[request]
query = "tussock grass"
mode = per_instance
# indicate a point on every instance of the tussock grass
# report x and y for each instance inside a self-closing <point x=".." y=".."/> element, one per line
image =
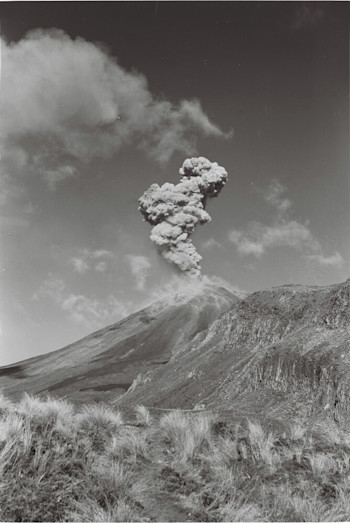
<point x="249" y="474"/>
<point x="5" y="404"/>
<point x="186" y="435"/>
<point x="261" y="444"/>
<point x="98" y="424"/>
<point x="54" y="466"/>
<point x="62" y="463"/>
<point x="33" y="406"/>
<point x="90" y="510"/>
<point x="296" y="431"/>
<point x="244" y="512"/>
<point x="143" y="416"/>
<point x="129" y="445"/>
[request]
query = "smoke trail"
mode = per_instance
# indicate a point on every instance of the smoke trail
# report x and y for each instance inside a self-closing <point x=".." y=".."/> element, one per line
<point x="175" y="210"/>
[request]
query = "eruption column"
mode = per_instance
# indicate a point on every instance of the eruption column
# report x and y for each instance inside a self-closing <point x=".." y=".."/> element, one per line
<point x="175" y="210"/>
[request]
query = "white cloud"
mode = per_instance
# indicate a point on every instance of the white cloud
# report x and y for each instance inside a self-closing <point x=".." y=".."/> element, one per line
<point x="175" y="128"/>
<point x="211" y="243"/>
<point x="88" y="259"/>
<point x="273" y="195"/>
<point x="257" y="237"/>
<point x="139" y="266"/>
<point x="65" y="101"/>
<point x="102" y="253"/>
<point x="28" y="208"/>
<point x="53" y="177"/>
<point x="15" y="212"/>
<point x="179" y="288"/>
<point x="96" y="313"/>
<point x="81" y="309"/>
<point x="101" y="266"/>
<point x="80" y="265"/>
<point x="336" y="261"/>
<point x="9" y="192"/>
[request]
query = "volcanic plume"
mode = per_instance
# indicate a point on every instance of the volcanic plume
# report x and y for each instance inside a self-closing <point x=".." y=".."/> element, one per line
<point x="175" y="210"/>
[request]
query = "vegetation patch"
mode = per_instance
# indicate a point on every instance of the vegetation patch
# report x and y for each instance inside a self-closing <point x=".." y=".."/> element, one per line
<point x="59" y="462"/>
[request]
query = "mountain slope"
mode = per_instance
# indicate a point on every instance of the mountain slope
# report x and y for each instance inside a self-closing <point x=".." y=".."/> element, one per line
<point x="282" y="352"/>
<point x="105" y="363"/>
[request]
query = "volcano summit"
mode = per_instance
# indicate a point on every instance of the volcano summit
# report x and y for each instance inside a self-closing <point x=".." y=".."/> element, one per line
<point x="104" y="364"/>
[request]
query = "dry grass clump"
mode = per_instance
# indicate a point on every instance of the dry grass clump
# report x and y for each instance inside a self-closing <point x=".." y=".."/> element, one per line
<point x="50" y="474"/>
<point x="34" y="406"/>
<point x="98" y="423"/>
<point x="186" y="435"/>
<point x="143" y="416"/>
<point x="60" y="463"/>
<point x="5" y="404"/>
<point x="90" y="510"/>
<point x="249" y="474"/>
<point x="56" y="412"/>
<point x="131" y="445"/>
<point x="119" y="492"/>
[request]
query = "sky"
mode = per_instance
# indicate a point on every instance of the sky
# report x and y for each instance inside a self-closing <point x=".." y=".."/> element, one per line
<point x="99" y="100"/>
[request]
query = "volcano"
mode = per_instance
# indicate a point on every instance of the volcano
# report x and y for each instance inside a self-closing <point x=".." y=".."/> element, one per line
<point x="104" y="364"/>
<point x="282" y="353"/>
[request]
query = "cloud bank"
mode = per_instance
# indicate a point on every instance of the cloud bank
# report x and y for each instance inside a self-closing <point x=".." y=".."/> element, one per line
<point x="336" y="260"/>
<point x="65" y="101"/>
<point x="257" y="238"/>
<point x="88" y="259"/>
<point x="90" y="312"/>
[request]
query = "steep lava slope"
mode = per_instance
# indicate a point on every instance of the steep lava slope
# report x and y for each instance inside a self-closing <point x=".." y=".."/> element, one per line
<point x="105" y="363"/>
<point x="283" y="352"/>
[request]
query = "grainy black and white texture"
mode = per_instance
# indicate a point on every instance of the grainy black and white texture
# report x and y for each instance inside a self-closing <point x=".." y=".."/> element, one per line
<point x="100" y="100"/>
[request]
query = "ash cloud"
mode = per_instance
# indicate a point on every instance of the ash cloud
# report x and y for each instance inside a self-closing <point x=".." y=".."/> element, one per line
<point x="176" y="210"/>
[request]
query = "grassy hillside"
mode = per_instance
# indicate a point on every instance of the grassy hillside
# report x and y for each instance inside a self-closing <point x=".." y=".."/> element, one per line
<point x="59" y="462"/>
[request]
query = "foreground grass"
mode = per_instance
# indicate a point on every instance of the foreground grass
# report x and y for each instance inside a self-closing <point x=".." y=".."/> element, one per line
<point x="61" y="463"/>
